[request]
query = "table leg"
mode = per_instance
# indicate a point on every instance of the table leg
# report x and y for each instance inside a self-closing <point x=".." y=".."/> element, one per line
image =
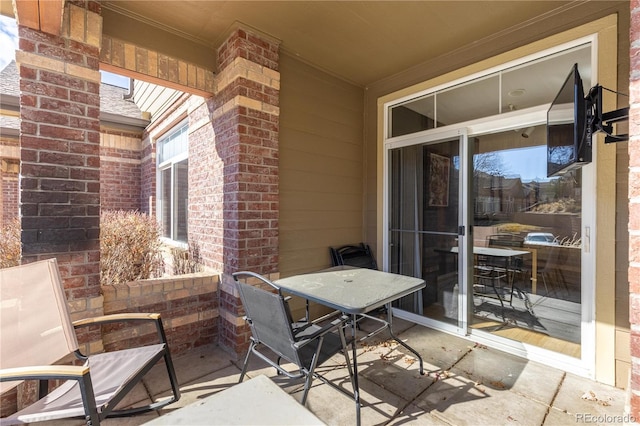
<point x="393" y="336"/>
<point x="356" y="389"/>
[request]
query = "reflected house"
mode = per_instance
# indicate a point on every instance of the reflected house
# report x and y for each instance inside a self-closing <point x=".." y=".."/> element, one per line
<point x="499" y="197"/>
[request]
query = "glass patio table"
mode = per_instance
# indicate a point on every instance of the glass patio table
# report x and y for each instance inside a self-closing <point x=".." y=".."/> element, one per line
<point x="355" y="292"/>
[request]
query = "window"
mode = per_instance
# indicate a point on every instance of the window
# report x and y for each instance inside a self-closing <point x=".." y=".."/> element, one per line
<point x="518" y="87"/>
<point x="173" y="183"/>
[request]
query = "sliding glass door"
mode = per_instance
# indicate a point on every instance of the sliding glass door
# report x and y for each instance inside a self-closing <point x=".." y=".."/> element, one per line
<point x="425" y="224"/>
<point x="498" y="243"/>
<point x="505" y="250"/>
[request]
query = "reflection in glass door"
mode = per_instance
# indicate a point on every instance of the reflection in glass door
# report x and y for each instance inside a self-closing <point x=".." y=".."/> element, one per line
<point x="527" y="243"/>
<point x="424" y="188"/>
<point x="523" y="282"/>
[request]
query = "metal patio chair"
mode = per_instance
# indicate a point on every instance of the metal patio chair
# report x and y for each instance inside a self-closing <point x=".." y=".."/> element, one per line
<point x="358" y="255"/>
<point x="38" y="341"/>
<point x="306" y="344"/>
<point x="551" y="272"/>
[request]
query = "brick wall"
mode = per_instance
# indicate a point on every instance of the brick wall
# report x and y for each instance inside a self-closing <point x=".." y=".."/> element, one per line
<point x="120" y="176"/>
<point x="634" y="207"/>
<point x="59" y="155"/>
<point x="246" y="123"/>
<point x="120" y="171"/>
<point x="245" y="116"/>
<point x="147" y="176"/>
<point x="9" y="171"/>
<point x="206" y="182"/>
<point x="188" y="305"/>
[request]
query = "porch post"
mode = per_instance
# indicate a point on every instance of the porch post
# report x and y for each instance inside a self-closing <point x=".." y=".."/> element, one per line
<point x="245" y="118"/>
<point x="634" y="209"/>
<point x="59" y="151"/>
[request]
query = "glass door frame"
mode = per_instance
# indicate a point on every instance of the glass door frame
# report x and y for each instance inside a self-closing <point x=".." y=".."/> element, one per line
<point x="465" y="244"/>
<point x="534" y="116"/>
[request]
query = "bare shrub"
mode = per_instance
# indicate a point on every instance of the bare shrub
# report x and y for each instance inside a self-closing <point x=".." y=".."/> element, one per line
<point x="565" y="205"/>
<point x="10" y="244"/>
<point x="129" y="247"/>
<point x="186" y="261"/>
<point x="572" y="241"/>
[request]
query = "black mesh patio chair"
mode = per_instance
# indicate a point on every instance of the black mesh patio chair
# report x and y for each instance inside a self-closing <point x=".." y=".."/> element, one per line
<point x="36" y="332"/>
<point x="305" y="344"/>
<point x="358" y="255"/>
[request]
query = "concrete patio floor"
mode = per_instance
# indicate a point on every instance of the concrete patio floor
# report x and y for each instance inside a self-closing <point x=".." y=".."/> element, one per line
<point x="466" y="384"/>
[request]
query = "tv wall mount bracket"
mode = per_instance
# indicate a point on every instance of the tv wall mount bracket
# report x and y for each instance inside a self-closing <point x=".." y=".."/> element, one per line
<point x="599" y="121"/>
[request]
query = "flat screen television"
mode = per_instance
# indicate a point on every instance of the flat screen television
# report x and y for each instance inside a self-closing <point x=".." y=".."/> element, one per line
<point x="568" y="128"/>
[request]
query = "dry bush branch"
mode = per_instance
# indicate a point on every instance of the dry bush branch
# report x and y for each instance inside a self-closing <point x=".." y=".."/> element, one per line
<point x="10" y="244"/>
<point x="129" y="247"/>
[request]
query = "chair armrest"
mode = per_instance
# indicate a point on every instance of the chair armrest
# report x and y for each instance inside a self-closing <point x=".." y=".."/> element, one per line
<point x="59" y="372"/>
<point x="106" y="319"/>
<point x="125" y="317"/>
<point x="309" y="334"/>
<point x="43" y="372"/>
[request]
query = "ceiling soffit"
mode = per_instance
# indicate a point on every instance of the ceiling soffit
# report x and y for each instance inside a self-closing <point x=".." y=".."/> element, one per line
<point x="361" y="42"/>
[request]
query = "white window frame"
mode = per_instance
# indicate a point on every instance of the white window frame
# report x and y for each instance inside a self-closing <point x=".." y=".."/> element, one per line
<point x="169" y="163"/>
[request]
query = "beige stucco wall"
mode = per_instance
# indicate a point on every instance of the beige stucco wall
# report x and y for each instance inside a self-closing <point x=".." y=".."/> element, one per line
<point x="321" y="148"/>
<point x="611" y="329"/>
<point x="321" y="170"/>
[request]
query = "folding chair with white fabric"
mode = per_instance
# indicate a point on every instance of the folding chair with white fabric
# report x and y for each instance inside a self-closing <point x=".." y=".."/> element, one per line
<point x="306" y="344"/>
<point x="37" y="334"/>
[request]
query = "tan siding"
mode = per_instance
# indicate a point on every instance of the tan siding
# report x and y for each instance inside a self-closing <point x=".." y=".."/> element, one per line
<point x="321" y="202"/>
<point x="323" y="144"/>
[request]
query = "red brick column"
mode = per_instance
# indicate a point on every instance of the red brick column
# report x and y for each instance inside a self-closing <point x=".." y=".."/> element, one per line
<point x="245" y="118"/>
<point x="634" y="208"/>
<point x="247" y="141"/>
<point x="60" y="151"/>
<point x="60" y="157"/>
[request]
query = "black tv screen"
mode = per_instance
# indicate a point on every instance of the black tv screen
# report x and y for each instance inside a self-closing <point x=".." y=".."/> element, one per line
<point x="568" y="137"/>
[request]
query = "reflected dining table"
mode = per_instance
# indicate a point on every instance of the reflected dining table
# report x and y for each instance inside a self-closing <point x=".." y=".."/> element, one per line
<point x="355" y="292"/>
<point x="509" y="253"/>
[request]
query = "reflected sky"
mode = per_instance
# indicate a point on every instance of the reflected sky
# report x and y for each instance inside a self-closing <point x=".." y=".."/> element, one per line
<point x="529" y="163"/>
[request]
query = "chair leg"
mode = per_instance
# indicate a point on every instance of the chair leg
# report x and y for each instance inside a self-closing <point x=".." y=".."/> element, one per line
<point x="544" y="280"/>
<point x="345" y="352"/>
<point x="312" y="367"/>
<point x="171" y="372"/>
<point x="246" y="361"/>
<point x="92" y="417"/>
